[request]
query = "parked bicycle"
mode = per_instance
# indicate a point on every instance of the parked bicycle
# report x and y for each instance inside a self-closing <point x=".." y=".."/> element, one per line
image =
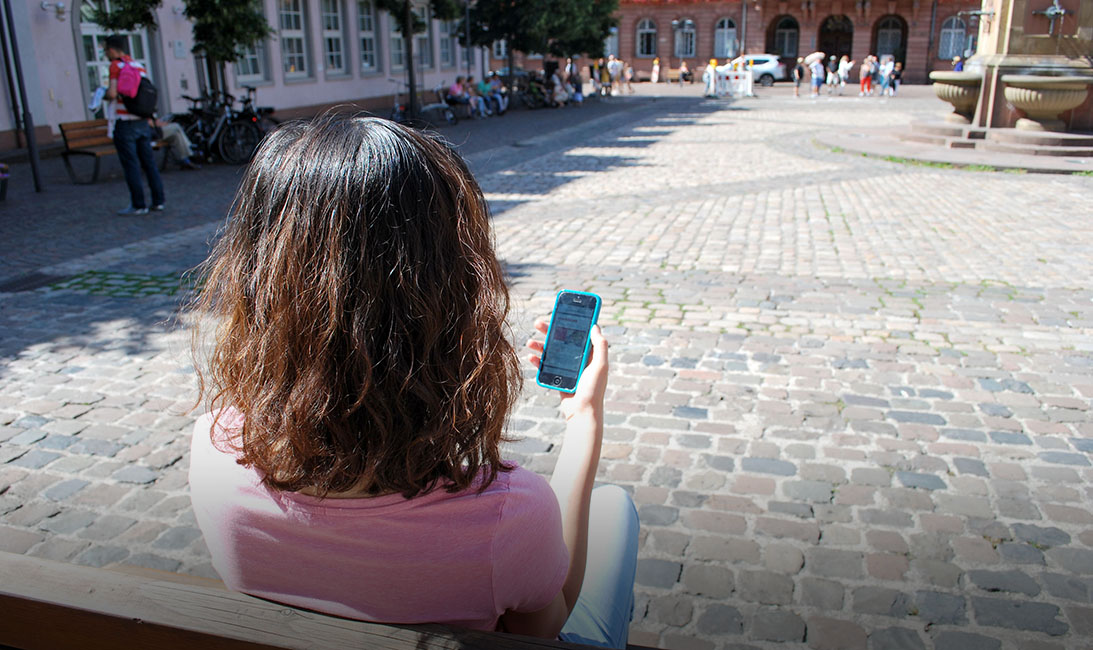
<point x="214" y="127"/>
<point x="260" y="115"/>
<point x="432" y="113"/>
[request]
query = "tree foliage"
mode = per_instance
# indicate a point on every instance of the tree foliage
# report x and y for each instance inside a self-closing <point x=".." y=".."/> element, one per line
<point x="221" y="27"/>
<point x="558" y="27"/>
<point x="127" y="15"/>
<point x="440" y="9"/>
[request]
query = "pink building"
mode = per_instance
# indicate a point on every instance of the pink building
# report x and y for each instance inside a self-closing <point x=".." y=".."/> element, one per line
<point x="323" y="53"/>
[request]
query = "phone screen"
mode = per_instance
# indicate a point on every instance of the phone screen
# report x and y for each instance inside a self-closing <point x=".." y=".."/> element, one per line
<point x="567" y="340"/>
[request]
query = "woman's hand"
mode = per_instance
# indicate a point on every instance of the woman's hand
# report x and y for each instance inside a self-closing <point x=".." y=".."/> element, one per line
<point x="591" y="387"/>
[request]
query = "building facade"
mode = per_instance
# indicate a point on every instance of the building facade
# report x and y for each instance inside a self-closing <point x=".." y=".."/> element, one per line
<point x="322" y="53"/>
<point x="923" y="34"/>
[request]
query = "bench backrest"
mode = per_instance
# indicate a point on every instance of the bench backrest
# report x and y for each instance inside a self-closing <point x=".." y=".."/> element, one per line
<point x="81" y="135"/>
<point x="46" y="604"/>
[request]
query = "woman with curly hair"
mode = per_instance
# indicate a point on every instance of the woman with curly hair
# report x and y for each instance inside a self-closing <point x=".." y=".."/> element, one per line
<point x="357" y="395"/>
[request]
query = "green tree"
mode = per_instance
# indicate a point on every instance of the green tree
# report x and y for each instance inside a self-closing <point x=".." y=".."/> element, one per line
<point x="221" y="28"/>
<point x="409" y="24"/>
<point x="558" y="27"/>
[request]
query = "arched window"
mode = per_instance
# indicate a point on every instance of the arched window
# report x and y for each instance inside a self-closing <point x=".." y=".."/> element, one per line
<point x="685" y="40"/>
<point x="647" y="39"/>
<point x="724" y="39"/>
<point x="953" y="38"/>
<point x="786" y="35"/>
<point x="889" y="36"/>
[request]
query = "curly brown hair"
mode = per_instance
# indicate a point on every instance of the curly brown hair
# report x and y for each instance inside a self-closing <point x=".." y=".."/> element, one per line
<point x="361" y="312"/>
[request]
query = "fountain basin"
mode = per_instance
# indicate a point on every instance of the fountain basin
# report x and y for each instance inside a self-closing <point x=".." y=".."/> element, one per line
<point x="1043" y="99"/>
<point x="961" y="89"/>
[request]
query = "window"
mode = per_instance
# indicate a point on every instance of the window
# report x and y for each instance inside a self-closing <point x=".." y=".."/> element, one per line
<point x="647" y="39"/>
<point x="724" y="39"/>
<point x="251" y="66"/>
<point x="293" y="39"/>
<point x="447" y="43"/>
<point x="333" y="37"/>
<point x="889" y="36"/>
<point x="685" y="40"/>
<point x="366" y="24"/>
<point x="785" y="37"/>
<point x="500" y="49"/>
<point x="423" y="43"/>
<point x="97" y="67"/>
<point x="952" y="40"/>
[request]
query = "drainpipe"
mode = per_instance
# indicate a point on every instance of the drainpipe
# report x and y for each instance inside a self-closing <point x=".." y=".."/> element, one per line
<point x="28" y="120"/>
<point x="930" y="42"/>
<point x="15" y="110"/>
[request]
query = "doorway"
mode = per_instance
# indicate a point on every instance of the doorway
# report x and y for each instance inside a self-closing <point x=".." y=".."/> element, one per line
<point x="836" y="36"/>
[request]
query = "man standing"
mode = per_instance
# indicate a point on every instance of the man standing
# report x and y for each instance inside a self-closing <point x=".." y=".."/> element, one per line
<point x="614" y="69"/>
<point x="132" y="135"/>
<point x="817" y="71"/>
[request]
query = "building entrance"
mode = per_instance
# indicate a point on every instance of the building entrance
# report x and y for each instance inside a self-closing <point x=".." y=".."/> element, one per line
<point x="836" y="36"/>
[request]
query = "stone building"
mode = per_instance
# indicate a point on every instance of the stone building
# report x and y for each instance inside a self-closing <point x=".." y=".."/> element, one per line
<point x="924" y="34"/>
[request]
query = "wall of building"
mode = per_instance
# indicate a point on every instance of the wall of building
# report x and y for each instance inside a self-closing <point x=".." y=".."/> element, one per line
<point x="58" y="91"/>
<point x="754" y="27"/>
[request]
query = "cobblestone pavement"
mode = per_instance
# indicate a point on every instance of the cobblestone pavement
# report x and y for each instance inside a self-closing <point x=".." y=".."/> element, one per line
<point x="851" y="397"/>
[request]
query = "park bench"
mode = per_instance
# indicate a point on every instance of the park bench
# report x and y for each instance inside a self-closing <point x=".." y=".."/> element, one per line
<point x="89" y="138"/>
<point x="48" y="604"/>
<point x="672" y="76"/>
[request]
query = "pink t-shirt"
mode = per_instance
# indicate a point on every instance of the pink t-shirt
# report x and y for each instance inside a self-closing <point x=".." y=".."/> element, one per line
<point x="460" y="559"/>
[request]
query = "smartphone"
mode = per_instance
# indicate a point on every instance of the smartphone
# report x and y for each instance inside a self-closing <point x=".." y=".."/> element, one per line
<point x="568" y="343"/>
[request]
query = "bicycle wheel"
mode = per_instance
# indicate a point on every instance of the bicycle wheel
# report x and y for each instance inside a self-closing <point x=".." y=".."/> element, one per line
<point x="195" y="132"/>
<point x="238" y="142"/>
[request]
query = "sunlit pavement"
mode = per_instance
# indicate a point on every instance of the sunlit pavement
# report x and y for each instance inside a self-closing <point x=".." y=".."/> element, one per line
<point x="851" y="397"/>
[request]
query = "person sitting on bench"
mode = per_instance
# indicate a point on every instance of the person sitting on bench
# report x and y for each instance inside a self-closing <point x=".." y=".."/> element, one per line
<point x="357" y="395"/>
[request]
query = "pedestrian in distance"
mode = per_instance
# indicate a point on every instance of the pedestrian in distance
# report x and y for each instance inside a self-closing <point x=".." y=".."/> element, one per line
<point x="457" y="94"/>
<point x="709" y="77"/>
<point x="895" y="78"/>
<point x="958" y="64"/>
<point x="357" y="396"/>
<point x="614" y="71"/>
<point x="865" y="74"/>
<point x="684" y="72"/>
<point x="832" y="79"/>
<point x="628" y="76"/>
<point x="817" y="71"/>
<point x="798" y="76"/>
<point x="132" y="135"/>
<point x="479" y="110"/>
<point x="654" y="76"/>
<point x="845" y="66"/>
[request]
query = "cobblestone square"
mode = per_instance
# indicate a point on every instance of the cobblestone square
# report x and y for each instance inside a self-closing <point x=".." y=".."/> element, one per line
<point x="850" y="396"/>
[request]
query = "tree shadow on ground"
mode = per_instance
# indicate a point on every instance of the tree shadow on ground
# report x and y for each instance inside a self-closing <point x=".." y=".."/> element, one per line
<point x="542" y="168"/>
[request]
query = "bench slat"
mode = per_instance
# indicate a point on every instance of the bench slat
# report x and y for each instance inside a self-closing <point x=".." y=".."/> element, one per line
<point x="50" y="604"/>
<point x="94" y="140"/>
<point x="83" y="125"/>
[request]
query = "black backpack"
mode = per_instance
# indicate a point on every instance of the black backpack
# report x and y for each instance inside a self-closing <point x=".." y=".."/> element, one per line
<point x="143" y="104"/>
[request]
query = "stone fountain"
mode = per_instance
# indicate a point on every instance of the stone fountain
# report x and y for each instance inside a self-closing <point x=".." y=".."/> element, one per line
<point x="1027" y="88"/>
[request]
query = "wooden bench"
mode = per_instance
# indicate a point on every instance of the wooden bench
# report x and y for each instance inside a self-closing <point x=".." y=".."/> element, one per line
<point x="45" y="604"/>
<point x="89" y="138"/>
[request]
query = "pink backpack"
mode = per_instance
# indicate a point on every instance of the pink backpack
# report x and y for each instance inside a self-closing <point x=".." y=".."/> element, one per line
<point x="128" y="79"/>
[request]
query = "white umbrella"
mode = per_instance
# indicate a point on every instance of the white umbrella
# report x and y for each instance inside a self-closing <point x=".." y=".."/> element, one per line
<point x="812" y="58"/>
